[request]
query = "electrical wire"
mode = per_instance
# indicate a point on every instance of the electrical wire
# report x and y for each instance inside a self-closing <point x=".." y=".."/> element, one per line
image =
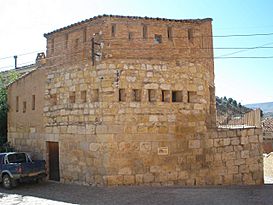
<point x="22" y="54"/>
<point x="241" y="49"/>
<point x="180" y="57"/>
<point x="244" y="50"/>
<point x="175" y="37"/>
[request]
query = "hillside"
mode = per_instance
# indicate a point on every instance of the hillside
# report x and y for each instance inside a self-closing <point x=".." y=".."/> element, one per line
<point x="228" y="106"/>
<point x="265" y="107"/>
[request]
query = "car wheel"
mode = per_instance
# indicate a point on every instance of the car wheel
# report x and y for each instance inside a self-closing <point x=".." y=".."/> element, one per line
<point x="7" y="182"/>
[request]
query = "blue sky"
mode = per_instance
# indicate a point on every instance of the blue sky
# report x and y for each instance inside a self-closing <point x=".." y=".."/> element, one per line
<point x="23" y="23"/>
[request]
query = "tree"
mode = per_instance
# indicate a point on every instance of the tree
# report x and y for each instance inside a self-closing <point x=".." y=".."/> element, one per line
<point x="230" y="100"/>
<point x="4" y="81"/>
<point x="234" y="103"/>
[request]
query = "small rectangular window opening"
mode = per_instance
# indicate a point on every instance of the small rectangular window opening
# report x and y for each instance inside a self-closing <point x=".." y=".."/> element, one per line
<point x="177" y="96"/>
<point x="190" y="34"/>
<point x="165" y="96"/>
<point x="33" y="102"/>
<point x="170" y="33"/>
<point x="17" y="103"/>
<point x="130" y="36"/>
<point x="24" y="106"/>
<point x="83" y="96"/>
<point x="122" y="95"/>
<point x="52" y="45"/>
<point x="66" y="40"/>
<point x="113" y="32"/>
<point x="84" y="34"/>
<point x="72" y="97"/>
<point x="158" y="39"/>
<point x="95" y="95"/>
<point x="136" y="95"/>
<point x="152" y="95"/>
<point x="144" y="32"/>
<point x="76" y="43"/>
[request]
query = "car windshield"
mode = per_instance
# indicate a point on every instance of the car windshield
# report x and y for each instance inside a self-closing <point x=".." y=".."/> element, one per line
<point x="17" y="158"/>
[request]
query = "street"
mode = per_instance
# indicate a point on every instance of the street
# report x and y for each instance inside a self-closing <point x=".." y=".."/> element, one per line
<point x="60" y="194"/>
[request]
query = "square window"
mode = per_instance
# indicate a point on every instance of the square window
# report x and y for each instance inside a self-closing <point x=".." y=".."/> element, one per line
<point x="24" y="106"/>
<point x="136" y="95"/>
<point x="177" y="96"/>
<point x="72" y="97"/>
<point x="192" y="97"/>
<point x="152" y="95"/>
<point x="166" y="96"/>
<point x="122" y="95"/>
<point x="158" y="39"/>
<point x="83" y="96"/>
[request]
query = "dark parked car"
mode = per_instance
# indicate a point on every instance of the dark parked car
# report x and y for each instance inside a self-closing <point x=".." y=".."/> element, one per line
<point x="18" y="167"/>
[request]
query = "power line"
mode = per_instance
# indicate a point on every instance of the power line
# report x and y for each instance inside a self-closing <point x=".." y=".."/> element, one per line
<point x="182" y="57"/>
<point x="244" y="50"/>
<point x="205" y="48"/>
<point x="145" y="49"/>
<point x="241" y="49"/>
<point x="20" y="65"/>
<point x="243" y="35"/>
<point x="22" y="54"/>
<point x="244" y="57"/>
<point x="175" y="37"/>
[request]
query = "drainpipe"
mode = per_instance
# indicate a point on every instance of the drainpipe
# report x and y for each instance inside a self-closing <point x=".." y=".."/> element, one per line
<point x="15" y="61"/>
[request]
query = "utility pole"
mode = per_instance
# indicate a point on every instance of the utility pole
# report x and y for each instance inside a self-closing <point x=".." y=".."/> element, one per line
<point x="15" y="62"/>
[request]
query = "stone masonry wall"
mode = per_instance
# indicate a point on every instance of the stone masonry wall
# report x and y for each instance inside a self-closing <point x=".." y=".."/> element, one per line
<point x="113" y="143"/>
<point x="109" y="142"/>
<point x="223" y="157"/>
<point x="141" y="114"/>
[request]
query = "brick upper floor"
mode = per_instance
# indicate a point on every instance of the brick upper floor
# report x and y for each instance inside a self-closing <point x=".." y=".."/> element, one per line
<point x="123" y="37"/>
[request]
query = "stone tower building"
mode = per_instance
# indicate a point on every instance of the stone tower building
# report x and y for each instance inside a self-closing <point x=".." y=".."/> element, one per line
<point x="123" y="100"/>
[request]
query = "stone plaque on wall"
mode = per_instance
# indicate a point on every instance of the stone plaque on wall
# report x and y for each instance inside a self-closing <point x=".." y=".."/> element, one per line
<point x="162" y="150"/>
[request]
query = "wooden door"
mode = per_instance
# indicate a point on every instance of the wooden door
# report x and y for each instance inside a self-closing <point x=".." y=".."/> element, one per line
<point x="53" y="160"/>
